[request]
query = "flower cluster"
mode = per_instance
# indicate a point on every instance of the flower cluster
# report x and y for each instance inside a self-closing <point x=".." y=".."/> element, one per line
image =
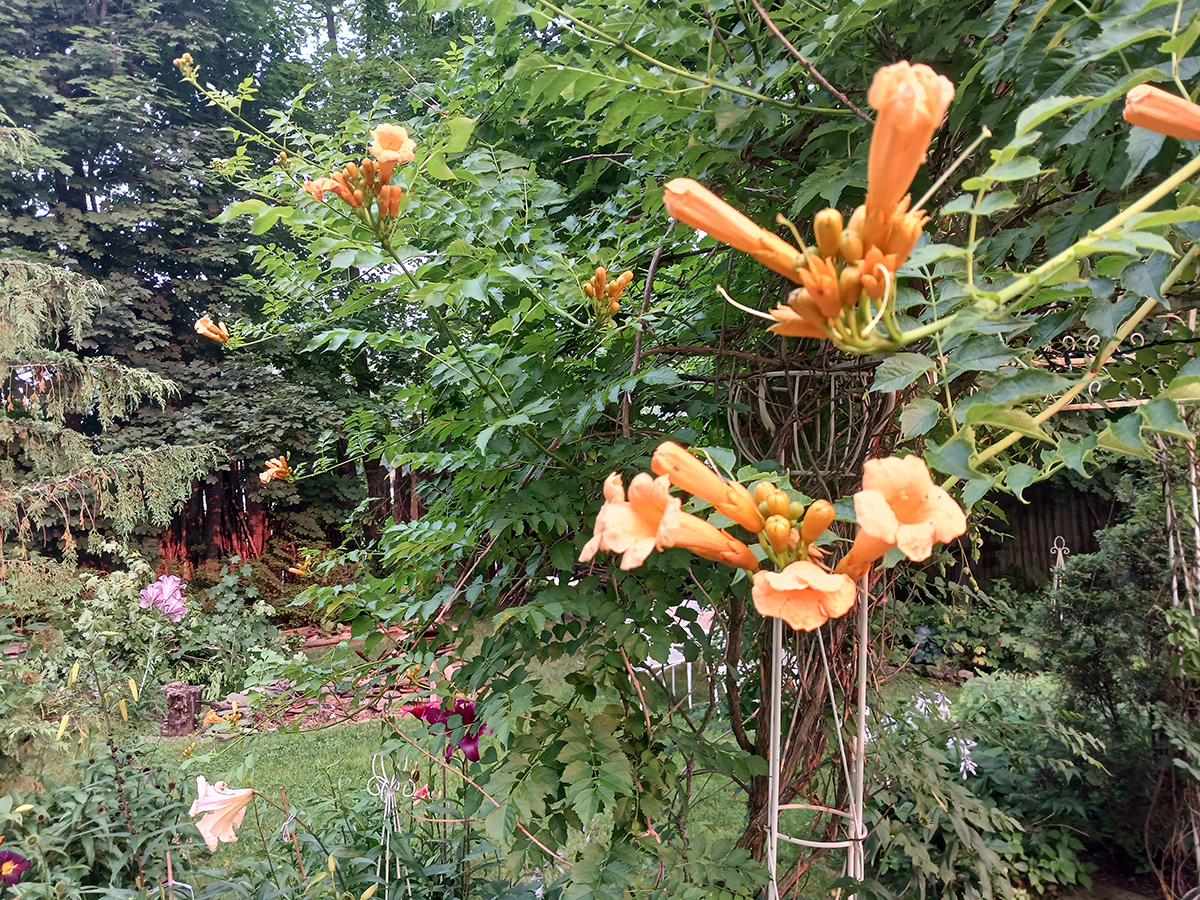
<point x="186" y="66"/>
<point x="165" y="595"/>
<point x="846" y="277"/>
<point x="223" y="807"/>
<point x="277" y="470"/>
<point x="433" y="713"/>
<point x="218" y="332"/>
<point x="899" y="506"/>
<point x="605" y="295"/>
<point x="358" y="184"/>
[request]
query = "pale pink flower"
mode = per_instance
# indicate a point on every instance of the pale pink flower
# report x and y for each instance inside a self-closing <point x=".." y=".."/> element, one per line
<point x="223" y="807"/>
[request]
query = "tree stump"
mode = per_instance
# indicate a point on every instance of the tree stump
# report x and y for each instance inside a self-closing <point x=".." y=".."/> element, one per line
<point x="183" y="706"/>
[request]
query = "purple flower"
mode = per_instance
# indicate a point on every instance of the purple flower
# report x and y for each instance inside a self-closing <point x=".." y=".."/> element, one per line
<point x="436" y="714"/>
<point x="12" y="865"/>
<point x="165" y="595"/>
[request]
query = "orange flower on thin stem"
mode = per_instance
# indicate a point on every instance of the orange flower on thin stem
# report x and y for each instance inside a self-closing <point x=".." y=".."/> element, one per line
<point x="800" y="318"/>
<point x="1157" y="110"/>
<point x="900" y="506"/>
<point x="319" y="187"/>
<point x="391" y="144"/>
<point x="651" y="519"/>
<point x="688" y="473"/>
<point x="804" y="595"/>
<point x="647" y="521"/>
<point x="218" y="333"/>
<point x="693" y="204"/>
<point x="277" y="469"/>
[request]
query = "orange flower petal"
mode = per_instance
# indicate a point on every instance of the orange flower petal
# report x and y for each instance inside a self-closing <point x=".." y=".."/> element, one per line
<point x="790" y="323"/>
<point x="911" y="102"/>
<point x="712" y="543"/>
<point x="647" y="521"/>
<point x="693" y="204"/>
<point x="900" y="506"/>
<point x="391" y="144"/>
<point x="804" y="595"/>
<point x="1157" y="110"/>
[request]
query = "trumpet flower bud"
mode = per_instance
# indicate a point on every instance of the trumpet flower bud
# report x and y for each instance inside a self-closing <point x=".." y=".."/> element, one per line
<point x="819" y="517"/>
<point x="778" y="529"/>
<point x="850" y="247"/>
<point x="827" y="230"/>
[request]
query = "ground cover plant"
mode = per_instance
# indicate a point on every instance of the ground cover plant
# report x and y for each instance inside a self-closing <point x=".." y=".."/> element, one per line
<point x="522" y="309"/>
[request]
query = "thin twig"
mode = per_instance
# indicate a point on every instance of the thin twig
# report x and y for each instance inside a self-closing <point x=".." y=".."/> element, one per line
<point x="808" y="65"/>
<point x="593" y="156"/>
<point x="637" y="339"/>
<point x="638" y="685"/>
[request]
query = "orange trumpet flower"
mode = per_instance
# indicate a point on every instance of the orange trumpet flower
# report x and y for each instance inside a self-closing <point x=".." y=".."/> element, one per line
<point x="1157" y="110"/>
<point x="693" y="204"/>
<point x="218" y="333"/>
<point x="900" y="506"/>
<point x="688" y="473"/>
<point x="911" y="102"/>
<point x="804" y="595"/>
<point x="651" y="519"/>
<point x="276" y="469"/>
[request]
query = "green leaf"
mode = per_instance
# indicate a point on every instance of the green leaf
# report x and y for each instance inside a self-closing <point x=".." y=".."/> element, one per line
<point x="989" y="205"/>
<point x="1076" y="454"/>
<point x="1162" y="415"/>
<point x="1183" y="389"/>
<point x="918" y="416"/>
<point x="1164" y="217"/>
<point x="1124" y="436"/>
<point x="900" y="370"/>
<point x="981" y="352"/>
<point x="436" y="166"/>
<point x="1105" y="316"/>
<point x="1019" y="477"/>
<point x="1009" y="419"/>
<point x="461" y="128"/>
<point x="1141" y="146"/>
<point x="974" y="490"/>
<point x="954" y="456"/>
<point x="1182" y="42"/>
<point x="500" y="823"/>
<point x="1043" y="110"/>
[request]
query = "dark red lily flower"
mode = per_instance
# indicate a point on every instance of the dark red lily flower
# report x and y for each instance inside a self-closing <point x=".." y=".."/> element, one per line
<point x="436" y="714"/>
<point x="12" y="866"/>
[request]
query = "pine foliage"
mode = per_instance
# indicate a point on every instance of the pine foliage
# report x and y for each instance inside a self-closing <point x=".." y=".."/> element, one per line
<point x="56" y="478"/>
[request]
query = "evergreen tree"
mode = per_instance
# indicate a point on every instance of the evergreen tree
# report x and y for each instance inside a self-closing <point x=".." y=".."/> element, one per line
<point x="58" y="481"/>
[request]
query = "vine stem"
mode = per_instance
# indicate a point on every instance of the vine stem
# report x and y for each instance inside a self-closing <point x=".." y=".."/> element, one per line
<point x="1102" y="358"/>
<point x="807" y="64"/>
<point x="1083" y="247"/>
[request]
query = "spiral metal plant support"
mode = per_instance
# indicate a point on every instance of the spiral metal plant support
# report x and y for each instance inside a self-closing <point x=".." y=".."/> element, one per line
<point x="855" y="843"/>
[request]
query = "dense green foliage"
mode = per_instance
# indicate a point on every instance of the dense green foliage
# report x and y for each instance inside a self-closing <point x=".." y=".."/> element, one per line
<point x="452" y="347"/>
